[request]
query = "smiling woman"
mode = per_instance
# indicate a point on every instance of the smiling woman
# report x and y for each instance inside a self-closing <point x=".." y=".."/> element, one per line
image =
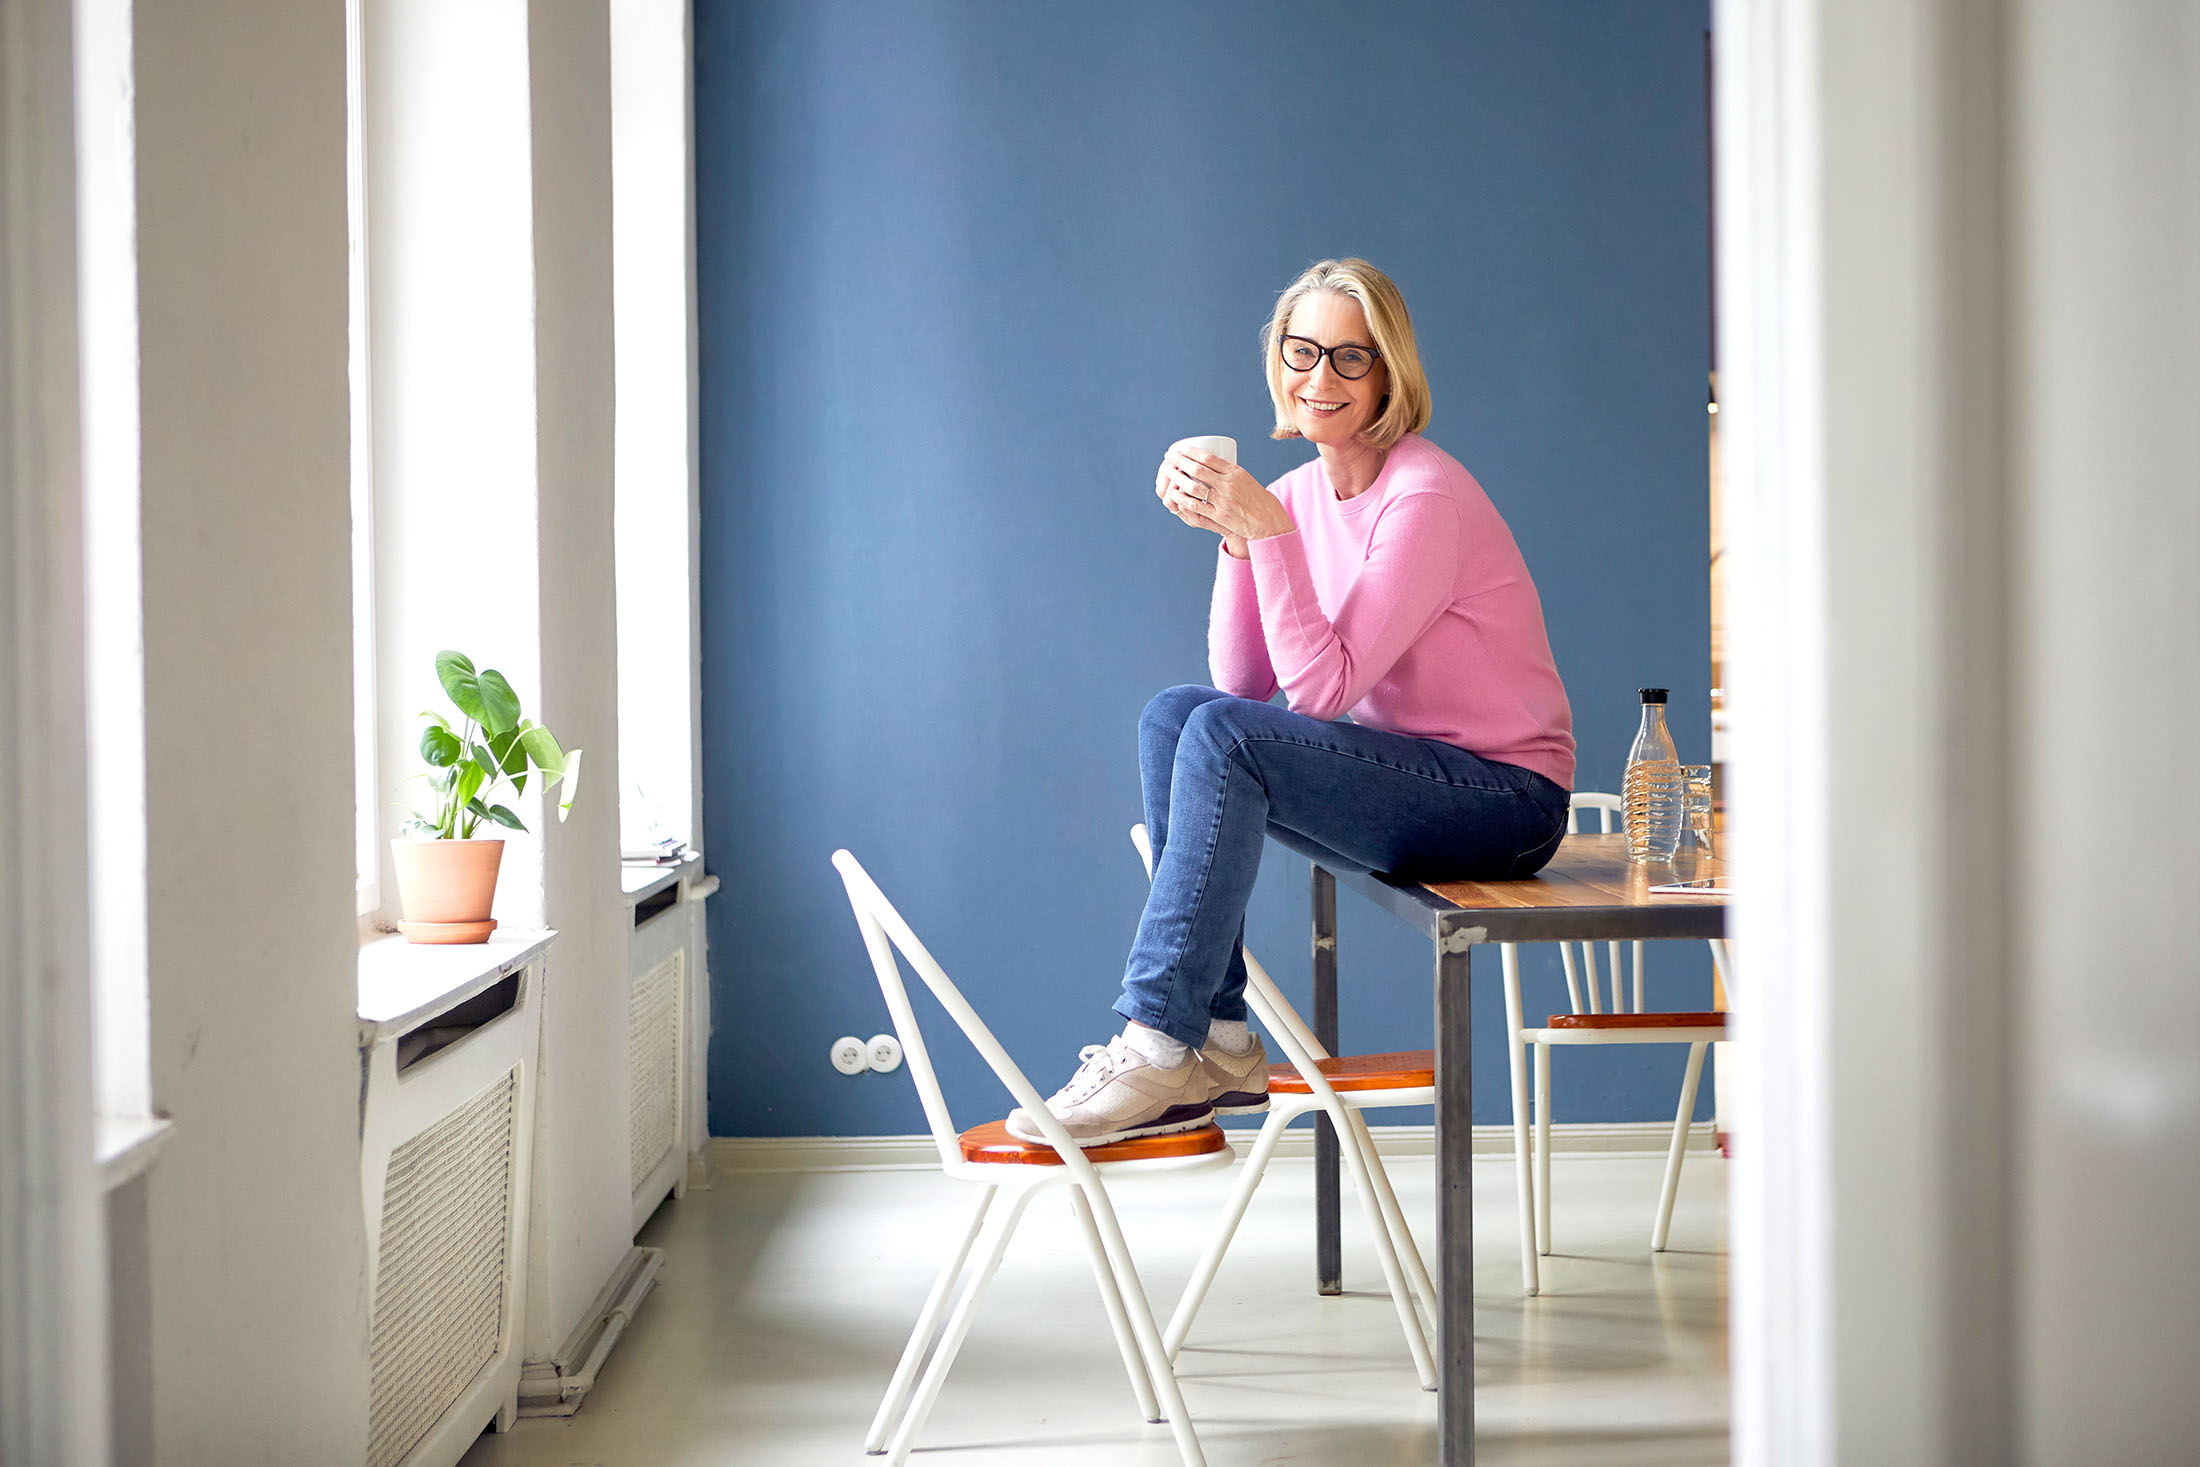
<point x="1352" y="304"/>
<point x="1379" y="582"/>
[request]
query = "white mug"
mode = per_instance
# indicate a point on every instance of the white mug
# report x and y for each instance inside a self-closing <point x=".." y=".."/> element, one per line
<point x="1214" y="443"/>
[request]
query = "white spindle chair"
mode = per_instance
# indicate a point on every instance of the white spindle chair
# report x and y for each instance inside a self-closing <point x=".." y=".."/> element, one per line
<point x="1593" y="1022"/>
<point x="988" y="1156"/>
<point x="1341" y="1088"/>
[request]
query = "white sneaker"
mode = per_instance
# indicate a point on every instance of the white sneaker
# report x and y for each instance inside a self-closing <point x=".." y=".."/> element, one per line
<point x="1117" y="1093"/>
<point x="1237" y="1084"/>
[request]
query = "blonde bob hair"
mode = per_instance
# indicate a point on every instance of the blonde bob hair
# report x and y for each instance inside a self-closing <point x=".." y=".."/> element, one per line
<point x="1405" y="407"/>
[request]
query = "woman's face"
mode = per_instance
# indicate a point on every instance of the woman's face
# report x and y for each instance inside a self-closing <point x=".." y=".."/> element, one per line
<point x="1327" y="408"/>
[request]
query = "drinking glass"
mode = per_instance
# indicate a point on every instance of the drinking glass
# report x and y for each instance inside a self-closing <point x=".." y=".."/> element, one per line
<point x="1696" y="805"/>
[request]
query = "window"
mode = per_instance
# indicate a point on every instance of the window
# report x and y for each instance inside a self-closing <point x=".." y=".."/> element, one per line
<point x="114" y="612"/>
<point x="365" y="704"/>
<point x="653" y="538"/>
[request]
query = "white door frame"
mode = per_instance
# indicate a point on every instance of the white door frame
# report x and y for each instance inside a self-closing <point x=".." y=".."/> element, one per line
<point x="1860" y="240"/>
<point x="53" y="1338"/>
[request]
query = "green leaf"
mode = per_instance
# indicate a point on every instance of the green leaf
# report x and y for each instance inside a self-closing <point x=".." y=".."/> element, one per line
<point x="455" y="670"/>
<point x="571" y="782"/>
<point x="439" y="746"/>
<point x="544" y="750"/>
<point x="499" y="704"/>
<point x="519" y="784"/>
<point x="510" y="754"/>
<point x="485" y="762"/>
<point x="469" y="783"/>
<point x="505" y="818"/>
<point x="441" y="779"/>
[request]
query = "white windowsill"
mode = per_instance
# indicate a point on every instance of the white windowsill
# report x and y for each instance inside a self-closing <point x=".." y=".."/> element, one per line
<point x="639" y="880"/>
<point x="124" y="1146"/>
<point x="403" y="982"/>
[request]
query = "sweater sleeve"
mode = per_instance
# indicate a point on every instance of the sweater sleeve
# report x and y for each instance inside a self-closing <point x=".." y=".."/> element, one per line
<point x="1326" y="665"/>
<point x="1237" y="649"/>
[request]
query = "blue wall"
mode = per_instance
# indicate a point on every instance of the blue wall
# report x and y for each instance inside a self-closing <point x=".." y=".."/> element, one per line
<point x="964" y="270"/>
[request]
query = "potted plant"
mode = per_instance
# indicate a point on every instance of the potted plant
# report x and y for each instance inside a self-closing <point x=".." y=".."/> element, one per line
<point x="446" y="873"/>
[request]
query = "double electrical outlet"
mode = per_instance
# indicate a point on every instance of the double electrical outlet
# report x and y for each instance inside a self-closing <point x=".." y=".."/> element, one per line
<point x="852" y="1056"/>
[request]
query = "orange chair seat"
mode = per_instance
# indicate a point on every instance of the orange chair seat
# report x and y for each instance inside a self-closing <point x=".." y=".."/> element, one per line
<point x="1411" y="1069"/>
<point x="1638" y="1021"/>
<point x="991" y="1143"/>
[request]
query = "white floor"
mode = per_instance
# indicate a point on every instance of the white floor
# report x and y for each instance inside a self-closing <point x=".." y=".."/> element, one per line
<point x="785" y="1299"/>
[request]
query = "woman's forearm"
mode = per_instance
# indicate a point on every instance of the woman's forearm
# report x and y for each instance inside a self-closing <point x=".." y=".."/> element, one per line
<point x="1237" y="649"/>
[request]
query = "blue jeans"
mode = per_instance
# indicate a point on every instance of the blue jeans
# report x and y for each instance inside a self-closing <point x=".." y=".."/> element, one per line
<point x="1221" y="773"/>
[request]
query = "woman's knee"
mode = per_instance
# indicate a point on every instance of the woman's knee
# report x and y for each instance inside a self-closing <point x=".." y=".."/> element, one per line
<point x="1168" y="711"/>
<point x="1222" y="723"/>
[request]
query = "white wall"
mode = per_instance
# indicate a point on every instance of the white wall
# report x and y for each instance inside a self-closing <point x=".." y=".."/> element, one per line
<point x="489" y="228"/>
<point x="582" y="1219"/>
<point x="242" y="1298"/>
<point x="53" y="1375"/>
<point x="1959" y="352"/>
<point x="2105" y="324"/>
<point x="257" y="1248"/>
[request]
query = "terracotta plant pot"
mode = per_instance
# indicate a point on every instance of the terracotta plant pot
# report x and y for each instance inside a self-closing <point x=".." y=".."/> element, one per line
<point x="447" y="888"/>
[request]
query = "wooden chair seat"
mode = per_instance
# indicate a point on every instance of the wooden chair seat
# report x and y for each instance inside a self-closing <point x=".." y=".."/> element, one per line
<point x="1408" y="1070"/>
<point x="1638" y="1021"/>
<point x="991" y="1143"/>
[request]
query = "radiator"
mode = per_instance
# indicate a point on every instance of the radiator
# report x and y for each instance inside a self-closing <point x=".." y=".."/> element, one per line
<point x="659" y="1007"/>
<point x="655" y="1045"/>
<point x="440" y="1305"/>
<point x="448" y="1041"/>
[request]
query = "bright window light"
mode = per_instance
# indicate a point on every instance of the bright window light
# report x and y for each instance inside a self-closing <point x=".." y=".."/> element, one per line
<point x="368" y="839"/>
<point x="653" y="449"/>
<point x="114" y="613"/>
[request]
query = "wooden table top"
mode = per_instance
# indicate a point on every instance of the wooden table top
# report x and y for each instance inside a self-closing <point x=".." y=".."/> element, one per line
<point x="1590" y="890"/>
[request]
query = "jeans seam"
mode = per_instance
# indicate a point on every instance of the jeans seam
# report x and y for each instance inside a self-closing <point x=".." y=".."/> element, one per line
<point x="1558" y="826"/>
<point x="1451" y="784"/>
<point x="1175" y="966"/>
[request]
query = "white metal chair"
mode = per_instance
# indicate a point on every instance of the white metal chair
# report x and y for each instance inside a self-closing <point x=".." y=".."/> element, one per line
<point x="1594" y="1023"/>
<point x="1341" y="1088"/>
<point x="996" y="1161"/>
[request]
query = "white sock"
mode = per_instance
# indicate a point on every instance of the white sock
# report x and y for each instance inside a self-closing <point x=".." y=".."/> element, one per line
<point x="1157" y="1048"/>
<point x="1229" y="1035"/>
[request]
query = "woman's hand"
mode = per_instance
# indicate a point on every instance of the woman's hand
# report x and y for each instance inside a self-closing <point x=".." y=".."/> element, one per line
<point x="1209" y="492"/>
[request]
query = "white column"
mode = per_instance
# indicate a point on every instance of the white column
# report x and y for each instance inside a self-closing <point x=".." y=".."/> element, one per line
<point x="53" y="1337"/>
<point x="257" y="1245"/>
<point x="488" y="144"/>
<point x="582" y="1219"/>
<point x="1859" y="234"/>
<point x="1960" y="347"/>
<point x="2105" y="799"/>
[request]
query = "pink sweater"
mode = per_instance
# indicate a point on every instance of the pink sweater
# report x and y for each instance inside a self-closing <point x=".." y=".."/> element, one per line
<point x="1407" y="606"/>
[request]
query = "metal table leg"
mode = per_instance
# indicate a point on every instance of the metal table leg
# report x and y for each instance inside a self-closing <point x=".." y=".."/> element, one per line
<point x="1328" y="1235"/>
<point x="1454" y="1201"/>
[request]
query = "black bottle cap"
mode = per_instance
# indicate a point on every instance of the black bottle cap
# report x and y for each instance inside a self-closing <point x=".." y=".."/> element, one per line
<point x="1652" y="695"/>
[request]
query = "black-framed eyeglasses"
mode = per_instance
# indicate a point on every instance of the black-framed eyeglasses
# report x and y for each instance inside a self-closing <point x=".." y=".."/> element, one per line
<point x="1350" y="362"/>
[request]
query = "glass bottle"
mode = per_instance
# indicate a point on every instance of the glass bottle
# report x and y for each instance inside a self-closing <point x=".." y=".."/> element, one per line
<point x="1652" y="792"/>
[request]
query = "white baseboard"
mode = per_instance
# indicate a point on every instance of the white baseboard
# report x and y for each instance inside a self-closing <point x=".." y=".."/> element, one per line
<point x="733" y="1155"/>
<point x="557" y="1387"/>
<point x="700" y="1168"/>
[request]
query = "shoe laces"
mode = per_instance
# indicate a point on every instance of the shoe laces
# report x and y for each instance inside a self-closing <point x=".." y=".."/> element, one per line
<point x="1098" y="1064"/>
